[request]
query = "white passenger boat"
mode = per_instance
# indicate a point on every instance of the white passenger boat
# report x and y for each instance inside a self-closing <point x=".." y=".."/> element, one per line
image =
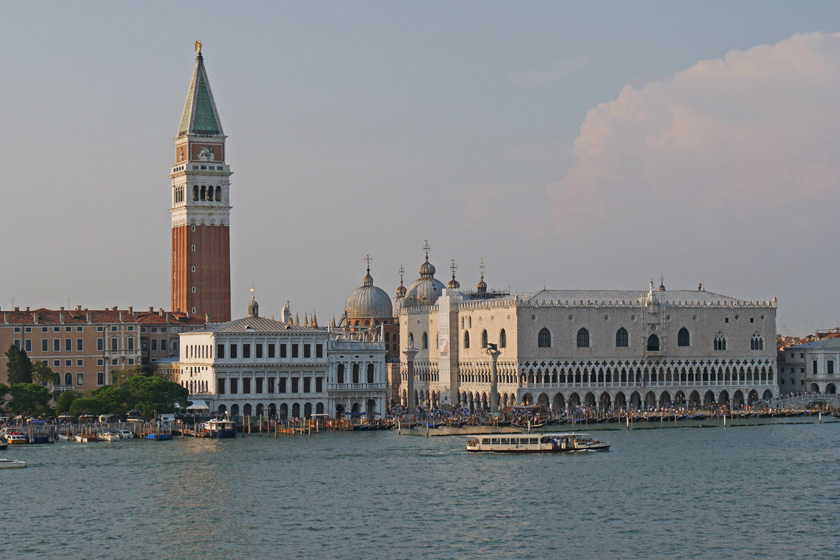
<point x="126" y="434"/>
<point x="535" y="443"/>
<point x="218" y="428"/>
<point x="109" y="436"/>
<point x="15" y="438"/>
<point x="12" y="464"/>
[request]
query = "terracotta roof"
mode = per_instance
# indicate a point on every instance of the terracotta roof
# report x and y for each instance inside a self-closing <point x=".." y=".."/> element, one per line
<point x="78" y="316"/>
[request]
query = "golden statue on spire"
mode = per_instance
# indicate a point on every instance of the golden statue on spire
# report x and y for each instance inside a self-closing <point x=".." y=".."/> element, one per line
<point x="198" y="47"/>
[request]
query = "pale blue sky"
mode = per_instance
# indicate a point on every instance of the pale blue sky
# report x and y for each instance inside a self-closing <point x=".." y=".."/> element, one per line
<point x="371" y="126"/>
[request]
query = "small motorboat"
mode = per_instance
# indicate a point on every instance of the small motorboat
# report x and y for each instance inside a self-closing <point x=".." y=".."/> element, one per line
<point x="16" y="438"/>
<point x="12" y="464"/>
<point x="126" y="434"/>
<point x="109" y="436"/>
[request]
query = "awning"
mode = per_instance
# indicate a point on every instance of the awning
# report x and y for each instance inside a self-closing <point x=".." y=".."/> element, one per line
<point x="198" y="404"/>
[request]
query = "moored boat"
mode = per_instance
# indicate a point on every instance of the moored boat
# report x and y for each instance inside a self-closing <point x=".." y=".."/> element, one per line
<point x="126" y="434"/>
<point x="12" y="464"/>
<point x="533" y="443"/>
<point x="218" y="428"/>
<point x="109" y="436"/>
<point x="16" y="438"/>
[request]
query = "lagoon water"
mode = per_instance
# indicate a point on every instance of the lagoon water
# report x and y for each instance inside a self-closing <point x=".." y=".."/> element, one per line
<point x="766" y="490"/>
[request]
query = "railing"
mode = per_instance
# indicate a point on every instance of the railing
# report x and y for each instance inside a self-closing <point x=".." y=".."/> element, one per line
<point x="357" y="386"/>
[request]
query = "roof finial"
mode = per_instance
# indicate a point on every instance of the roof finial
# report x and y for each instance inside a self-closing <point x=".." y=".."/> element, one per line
<point x="426" y="248"/>
<point x="198" y="47"/>
<point x="453" y="284"/>
<point x="661" y="282"/>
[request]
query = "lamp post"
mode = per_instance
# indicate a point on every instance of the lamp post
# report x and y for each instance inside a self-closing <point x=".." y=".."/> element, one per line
<point x="494" y="352"/>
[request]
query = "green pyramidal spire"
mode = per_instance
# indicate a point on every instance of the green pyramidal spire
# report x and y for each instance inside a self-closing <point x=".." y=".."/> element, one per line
<point x="200" y="114"/>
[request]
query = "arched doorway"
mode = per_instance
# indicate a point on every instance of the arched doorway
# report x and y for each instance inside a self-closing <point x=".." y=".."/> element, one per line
<point x="370" y="406"/>
<point x="694" y="399"/>
<point x="679" y="399"/>
<point x="296" y="410"/>
<point x="723" y="397"/>
<point x="620" y="400"/>
<point x="319" y="408"/>
<point x="574" y="400"/>
<point x="234" y="410"/>
<point x="260" y="410"/>
<point x="604" y="402"/>
<point x="635" y="400"/>
<point x="665" y="399"/>
<point x="307" y="410"/>
<point x="527" y="399"/>
<point x="559" y="401"/>
<point x="272" y="410"/>
<point x="589" y="400"/>
<point x="543" y="400"/>
<point x="709" y="398"/>
<point x="831" y="389"/>
<point x="222" y="409"/>
<point x="339" y="411"/>
<point x="650" y="400"/>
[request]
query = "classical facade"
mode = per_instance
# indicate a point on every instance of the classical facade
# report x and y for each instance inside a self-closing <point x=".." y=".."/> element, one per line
<point x="200" y="207"/>
<point x="84" y="347"/>
<point x="599" y="348"/>
<point x="810" y="367"/>
<point x="256" y="366"/>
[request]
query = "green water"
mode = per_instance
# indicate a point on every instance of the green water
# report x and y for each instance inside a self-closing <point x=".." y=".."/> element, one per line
<point x="741" y="492"/>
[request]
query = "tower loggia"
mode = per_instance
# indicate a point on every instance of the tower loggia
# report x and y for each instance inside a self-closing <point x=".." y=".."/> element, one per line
<point x="201" y="206"/>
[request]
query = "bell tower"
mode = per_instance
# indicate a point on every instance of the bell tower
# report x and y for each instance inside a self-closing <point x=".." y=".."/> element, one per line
<point x="200" y="206"/>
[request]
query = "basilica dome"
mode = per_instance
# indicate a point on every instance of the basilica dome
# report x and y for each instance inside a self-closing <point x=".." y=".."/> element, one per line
<point x="368" y="302"/>
<point x="425" y="290"/>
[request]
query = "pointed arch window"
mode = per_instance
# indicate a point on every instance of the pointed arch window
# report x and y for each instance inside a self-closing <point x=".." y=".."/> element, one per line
<point x="484" y="339"/>
<point x="544" y="338"/>
<point x="683" y="337"/>
<point x="720" y="342"/>
<point x="466" y="339"/>
<point x="425" y="340"/>
<point x="411" y="340"/>
<point x="583" y="338"/>
<point x="503" y="339"/>
<point x="622" y="339"/>
<point x="756" y="343"/>
<point x="653" y="343"/>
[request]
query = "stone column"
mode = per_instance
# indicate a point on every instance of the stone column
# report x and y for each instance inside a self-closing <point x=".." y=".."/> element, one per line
<point x="409" y="358"/>
<point x="494" y="352"/>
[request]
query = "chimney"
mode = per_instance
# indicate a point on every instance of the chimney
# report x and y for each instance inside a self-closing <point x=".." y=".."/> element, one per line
<point x="87" y="316"/>
<point x="160" y="312"/>
<point x="131" y="310"/>
<point x="27" y="309"/>
<point x="151" y="309"/>
<point x="35" y="318"/>
<point x="61" y="317"/>
<point x="61" y="308"/>
<point x="78" y="308"/>
<point x="121" y="316"/>
<point x="17" y="308"/>
<point x="699" y="286"/>
<point x="188" y="314"/>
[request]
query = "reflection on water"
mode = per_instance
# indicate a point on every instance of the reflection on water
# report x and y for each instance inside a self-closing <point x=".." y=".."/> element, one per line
<point x="659" y="493"/>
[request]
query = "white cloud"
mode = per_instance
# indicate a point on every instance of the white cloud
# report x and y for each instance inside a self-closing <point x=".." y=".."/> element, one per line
<point x="757" y="128"/>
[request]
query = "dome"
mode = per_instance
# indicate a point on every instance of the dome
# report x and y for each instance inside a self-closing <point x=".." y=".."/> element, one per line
<point x="368" y="302"/>
<point x="427" y="268"/>
<point x="424" y="291"/>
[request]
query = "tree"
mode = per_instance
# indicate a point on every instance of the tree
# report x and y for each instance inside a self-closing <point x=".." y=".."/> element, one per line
<point x="121" y="376"/>
<point x="64" y="401"/>
<point x="19" y="366"/>
<point x="42" y="373"/>
<point x="28" y="398"/>
<point x="85" y="405"/>
<point x="152" y="395"/>
<point x="112" y="399"/>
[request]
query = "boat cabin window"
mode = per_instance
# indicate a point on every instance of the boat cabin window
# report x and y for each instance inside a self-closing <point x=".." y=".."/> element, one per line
<point x="505" y="441"/>
<point x="494" y="441"/>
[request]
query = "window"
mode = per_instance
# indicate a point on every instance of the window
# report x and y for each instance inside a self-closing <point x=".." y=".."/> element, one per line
<point x="100" y="344"/>
<point x="683" y="338"/>
<point x="259" y="349"/>
<point x="282" y="385"/>
<point x="583" y="338"/>
<point x="370" y="373"/>
<point x="355" y="373"/>
<point x="319" y="384"/>
<point x="220" y="386"/>
<point x="246" y="350"/>
<point x="425" y="340"/>
<point x="295" y="384"/>
<point x="319" y="350"/>
<point x="130" y="341"/>
<point x="484" y="339"/>
<point x="162" y="344"/>
<point x="282" y="350"/>
<point x="45" y="344"/>
<point x="234" y="386"/>
<point x="466" y="339"/>
<point x="100" y="378"/>
<point x="68" y="378"/>
<point x="307" y="350"/>
<point x="340" y="374"/>
<point x="27" y="346"/>
<point x="829" y="367"/>
<point x="57" y="363"/>
<point x="271" y="385"/>
<point x="720" y="342"/>
<point x="653" y="343"/>
<point x="294" y="350"/>
<point x="56" y="345"/>
<point x="80" y="379"/>
<point x="816" y="371"/>
<point x="17" y="343"/>
<point x="80" y="344"/>
<point x="114" y="344"/>
<point x="246" y="384"/>
<point x="68" y="363"/>
<point x="154" y="344"/>
<point x="622" y="339"/>
<point x="80" y="363"/>
<point x="307" y="384"/>
<point x="503" y="339"/>
<point x="271" y="349"/>
<point x="411" y="340"/>
<point x="259" y="388"/>
<point x="544" y="338"/>
<point x="233" y="353"/>
<point x="756" y="342"/>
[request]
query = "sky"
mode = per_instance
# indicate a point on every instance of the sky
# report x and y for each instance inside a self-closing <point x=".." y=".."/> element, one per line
<point x="570" y="145"/>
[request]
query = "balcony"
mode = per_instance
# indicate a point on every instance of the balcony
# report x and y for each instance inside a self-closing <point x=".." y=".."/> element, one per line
<point x="338" y="387"/>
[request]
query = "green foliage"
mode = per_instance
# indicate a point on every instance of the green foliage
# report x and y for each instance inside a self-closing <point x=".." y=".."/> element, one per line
<point x="113" y="399"/>
<point x="85" y="405"/>
<point x="121" y="376"/>
<point x="42" y="373"/>
<point x="28" y="398"/>
<point x="19" y="366"/>
<point x="64" y="401"/>
<point x="152" y="395"/>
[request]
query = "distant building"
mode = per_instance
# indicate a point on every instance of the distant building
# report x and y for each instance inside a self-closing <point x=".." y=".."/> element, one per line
<point x="200" y="207"/>
<point x="810" y="367"/>
<point x="599" y="348"/>
<point x="256" y="366"/>
<point x="84" y="347"/>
